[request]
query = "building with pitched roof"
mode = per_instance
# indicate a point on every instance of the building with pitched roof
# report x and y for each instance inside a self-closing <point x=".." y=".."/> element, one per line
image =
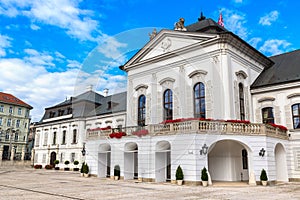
<point x="198" y="96"/>
<point x="14" y="127"/>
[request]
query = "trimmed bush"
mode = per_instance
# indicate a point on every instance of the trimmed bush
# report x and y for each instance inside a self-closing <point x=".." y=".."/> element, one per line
<point x="263" y="175"/>
<point x="48" y="167"/>
<point x="56" y="162"/>
<point x="76" y="162"/>
<point x="67" y="162"/>
<point x="179" y="173"/>
<point x="204" y="175"/>
<point x="85" y="168"/>
<point x="38" y="166"/>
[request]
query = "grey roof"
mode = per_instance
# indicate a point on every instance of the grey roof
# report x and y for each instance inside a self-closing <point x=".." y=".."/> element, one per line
<point x="206" y="26"/>
<point x="89" y="103"/>
<point x="286" y="69"/>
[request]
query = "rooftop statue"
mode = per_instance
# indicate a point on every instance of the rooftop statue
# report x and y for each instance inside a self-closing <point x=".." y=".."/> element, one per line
<point x="179" y="26"/>
<point x="153" y="34"/>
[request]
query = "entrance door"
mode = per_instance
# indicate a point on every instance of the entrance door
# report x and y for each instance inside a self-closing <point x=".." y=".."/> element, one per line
<point x="5" y="152"/>
<point x="52" y="158"/>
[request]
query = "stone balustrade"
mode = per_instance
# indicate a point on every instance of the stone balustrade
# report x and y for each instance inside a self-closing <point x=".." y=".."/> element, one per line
<point x="198" y="127"/>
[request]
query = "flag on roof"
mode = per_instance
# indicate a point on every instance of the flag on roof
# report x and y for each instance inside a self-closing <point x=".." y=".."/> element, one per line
<point x="220" y="21"/>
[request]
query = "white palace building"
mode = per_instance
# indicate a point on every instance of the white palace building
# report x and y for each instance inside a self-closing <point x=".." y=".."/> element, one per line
<point x="197" y="96"/>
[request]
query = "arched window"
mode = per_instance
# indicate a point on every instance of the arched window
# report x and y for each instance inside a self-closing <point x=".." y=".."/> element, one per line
<point x="141" y="110"/>
<point x="168" y="105"/>
<point x="245" y="159"/>
<point x="267" y="115"/>
<point x="74" y="141"/>
<point x="296" y="115"/>
<point x="199" y="100"/>
<point x="242" y="101"/>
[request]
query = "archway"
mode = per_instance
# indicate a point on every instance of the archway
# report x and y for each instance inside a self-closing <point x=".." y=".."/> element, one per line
<point x="52" y="158"/>
<point x="130" y="161"/>
<point x="162" y="161"/>
<point x="229" y="160"/>
<point x="281" y="166"/>
<point x="104" y="160"/>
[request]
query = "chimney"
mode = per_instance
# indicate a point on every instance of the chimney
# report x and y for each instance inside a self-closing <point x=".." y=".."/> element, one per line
<point x="105" y="92"/>
<point x="89" y="88"/>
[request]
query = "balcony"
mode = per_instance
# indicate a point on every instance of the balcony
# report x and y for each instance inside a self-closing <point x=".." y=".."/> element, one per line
<point x="215" y="127"/>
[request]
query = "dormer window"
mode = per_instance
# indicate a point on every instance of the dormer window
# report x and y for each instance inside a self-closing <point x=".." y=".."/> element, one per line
<point x="51" y="114"/>
<point x="61" y="112"/>
<point x="69" y="111"/>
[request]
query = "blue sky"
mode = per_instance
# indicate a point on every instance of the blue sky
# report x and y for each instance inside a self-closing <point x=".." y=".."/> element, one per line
<point x="53" y="49"/>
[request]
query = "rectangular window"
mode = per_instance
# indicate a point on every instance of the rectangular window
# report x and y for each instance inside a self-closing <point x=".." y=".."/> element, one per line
<point x="8" y="122"/>
<point x="54" y="138"/>
<point x="64" y="137"/>
<point x="72" y="157"/>
<point x="296" y="115"/>
<point x="7" y="136"/>
<point x="267" y="115"/>
<point x="37" y="139"/>
<point x="16" y="136"/>
<point x="18" y="123"/>
<point x="62" y="155"/>
<point x="0" y="121"/>
<point x="25" y="125"/>
<point x="36" y="157"/>
<point x="19" y="111"/>
<point x="10" y="110"/>
<point x="1" y="108"/>
<point x="74" y="141"/>
<point x="45" y="139"/>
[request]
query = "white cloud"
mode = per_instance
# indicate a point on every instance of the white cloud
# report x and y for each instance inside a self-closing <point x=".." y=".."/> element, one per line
<point x="73" y="64"/>
<point x="65" y="14"/>
<point x="34" y="27"/>
<point x="254" y="41"/>
<point x="234" y="21"/>
<point x="37" y="58"/>
<point x="238" y="1"/>
<point x="274" y="47"/>
<point x="4" y="44"/>
<point x="269" y="18"/>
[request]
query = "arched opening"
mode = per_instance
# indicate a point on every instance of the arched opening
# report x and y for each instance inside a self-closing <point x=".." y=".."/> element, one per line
<point x="131" y="161"/>
<point x="104" y="160"/>
<point x="281" y="166"/>
<point x="229" y="160"/>
<point x="162" y="161"/>
<point x="52" y="158"/>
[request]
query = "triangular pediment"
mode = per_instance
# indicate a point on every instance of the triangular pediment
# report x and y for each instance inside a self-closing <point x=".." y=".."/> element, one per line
<point x="166" y="42"/>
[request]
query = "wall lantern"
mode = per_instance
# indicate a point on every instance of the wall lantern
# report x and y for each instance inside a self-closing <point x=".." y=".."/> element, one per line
<point x="262" y="152"/>
<point x="83" y="150"/>
<point x="204" y="149"/>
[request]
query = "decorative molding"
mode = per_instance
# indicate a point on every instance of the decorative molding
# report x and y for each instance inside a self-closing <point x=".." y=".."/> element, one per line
<point x="242" y="74"/>
<point x="266" y="99"/>
<point x="74" y="125"/>
<point x="293" y="95"/>
<point x="108" y="121"/>
<point x="166" y="79"/>
<point x="98" y="123"/>
<point x="141" y="86"/>
<point x="197" y="72"/>
<point x="119" y="120"/>
<point x="166" y="44"/>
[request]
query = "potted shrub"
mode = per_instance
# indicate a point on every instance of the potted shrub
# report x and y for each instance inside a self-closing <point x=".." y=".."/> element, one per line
<point x="179" y="175"/>
<point x="85" y="170"/>
<point x="48" y="167"/>
<point x="263" y="177"/>
<point x="56" y="162"/>
<point x="204" y="177"/>
<point x="81" y="169"/>
<point x="76" y="164"/>
<point x="66" y="163"/>
<point x="117" y="172"/>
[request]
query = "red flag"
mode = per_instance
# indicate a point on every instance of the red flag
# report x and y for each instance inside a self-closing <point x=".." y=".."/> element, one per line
<point x="220" y="21"/>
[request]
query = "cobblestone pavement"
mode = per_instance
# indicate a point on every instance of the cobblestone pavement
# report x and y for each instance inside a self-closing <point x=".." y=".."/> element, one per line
<point x="50" y="184"/>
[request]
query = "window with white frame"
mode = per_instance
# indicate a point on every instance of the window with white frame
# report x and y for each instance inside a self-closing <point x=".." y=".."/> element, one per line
<point x="0" y="121"/>
<point x="19" y="111"/>
<point x="9" y="122"/>
<point x="54" y="138"/>
<point x="64" y="137"/>
<point x="16" y="136"/>
<point x="242" y="101"/>
<point x="10" y="110"/>
<point x="296" y="115"/>
<point x="199" y="100"/>
<point x="62" y="155"/>
<point x="74" y="141"/>
<point x="45" y="139"/>
<point x="168" y="105"/>
<point x="18" y="123"/>
<point x="37" y="139"/>
<point x="1" y="108"/>
<point x="267" y="115"/>
<point x="72" y="157"/>
<point x="141" y="110"/>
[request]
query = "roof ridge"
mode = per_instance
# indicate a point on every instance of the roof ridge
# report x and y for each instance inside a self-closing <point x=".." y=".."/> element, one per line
<point x="285" y="53"/>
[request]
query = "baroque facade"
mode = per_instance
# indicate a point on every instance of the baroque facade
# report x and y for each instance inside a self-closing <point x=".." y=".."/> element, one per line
<point x="14" y="127"/>
<point x="196" y="97"/>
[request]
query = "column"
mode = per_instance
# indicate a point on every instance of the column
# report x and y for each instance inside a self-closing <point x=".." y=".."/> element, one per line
<point x="1" y="153"/>
<point x="23" y="153"/>
<point x="12" y="153"/>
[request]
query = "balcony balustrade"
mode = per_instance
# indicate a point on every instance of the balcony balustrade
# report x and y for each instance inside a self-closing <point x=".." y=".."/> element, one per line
<point x="197" y="127"/>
